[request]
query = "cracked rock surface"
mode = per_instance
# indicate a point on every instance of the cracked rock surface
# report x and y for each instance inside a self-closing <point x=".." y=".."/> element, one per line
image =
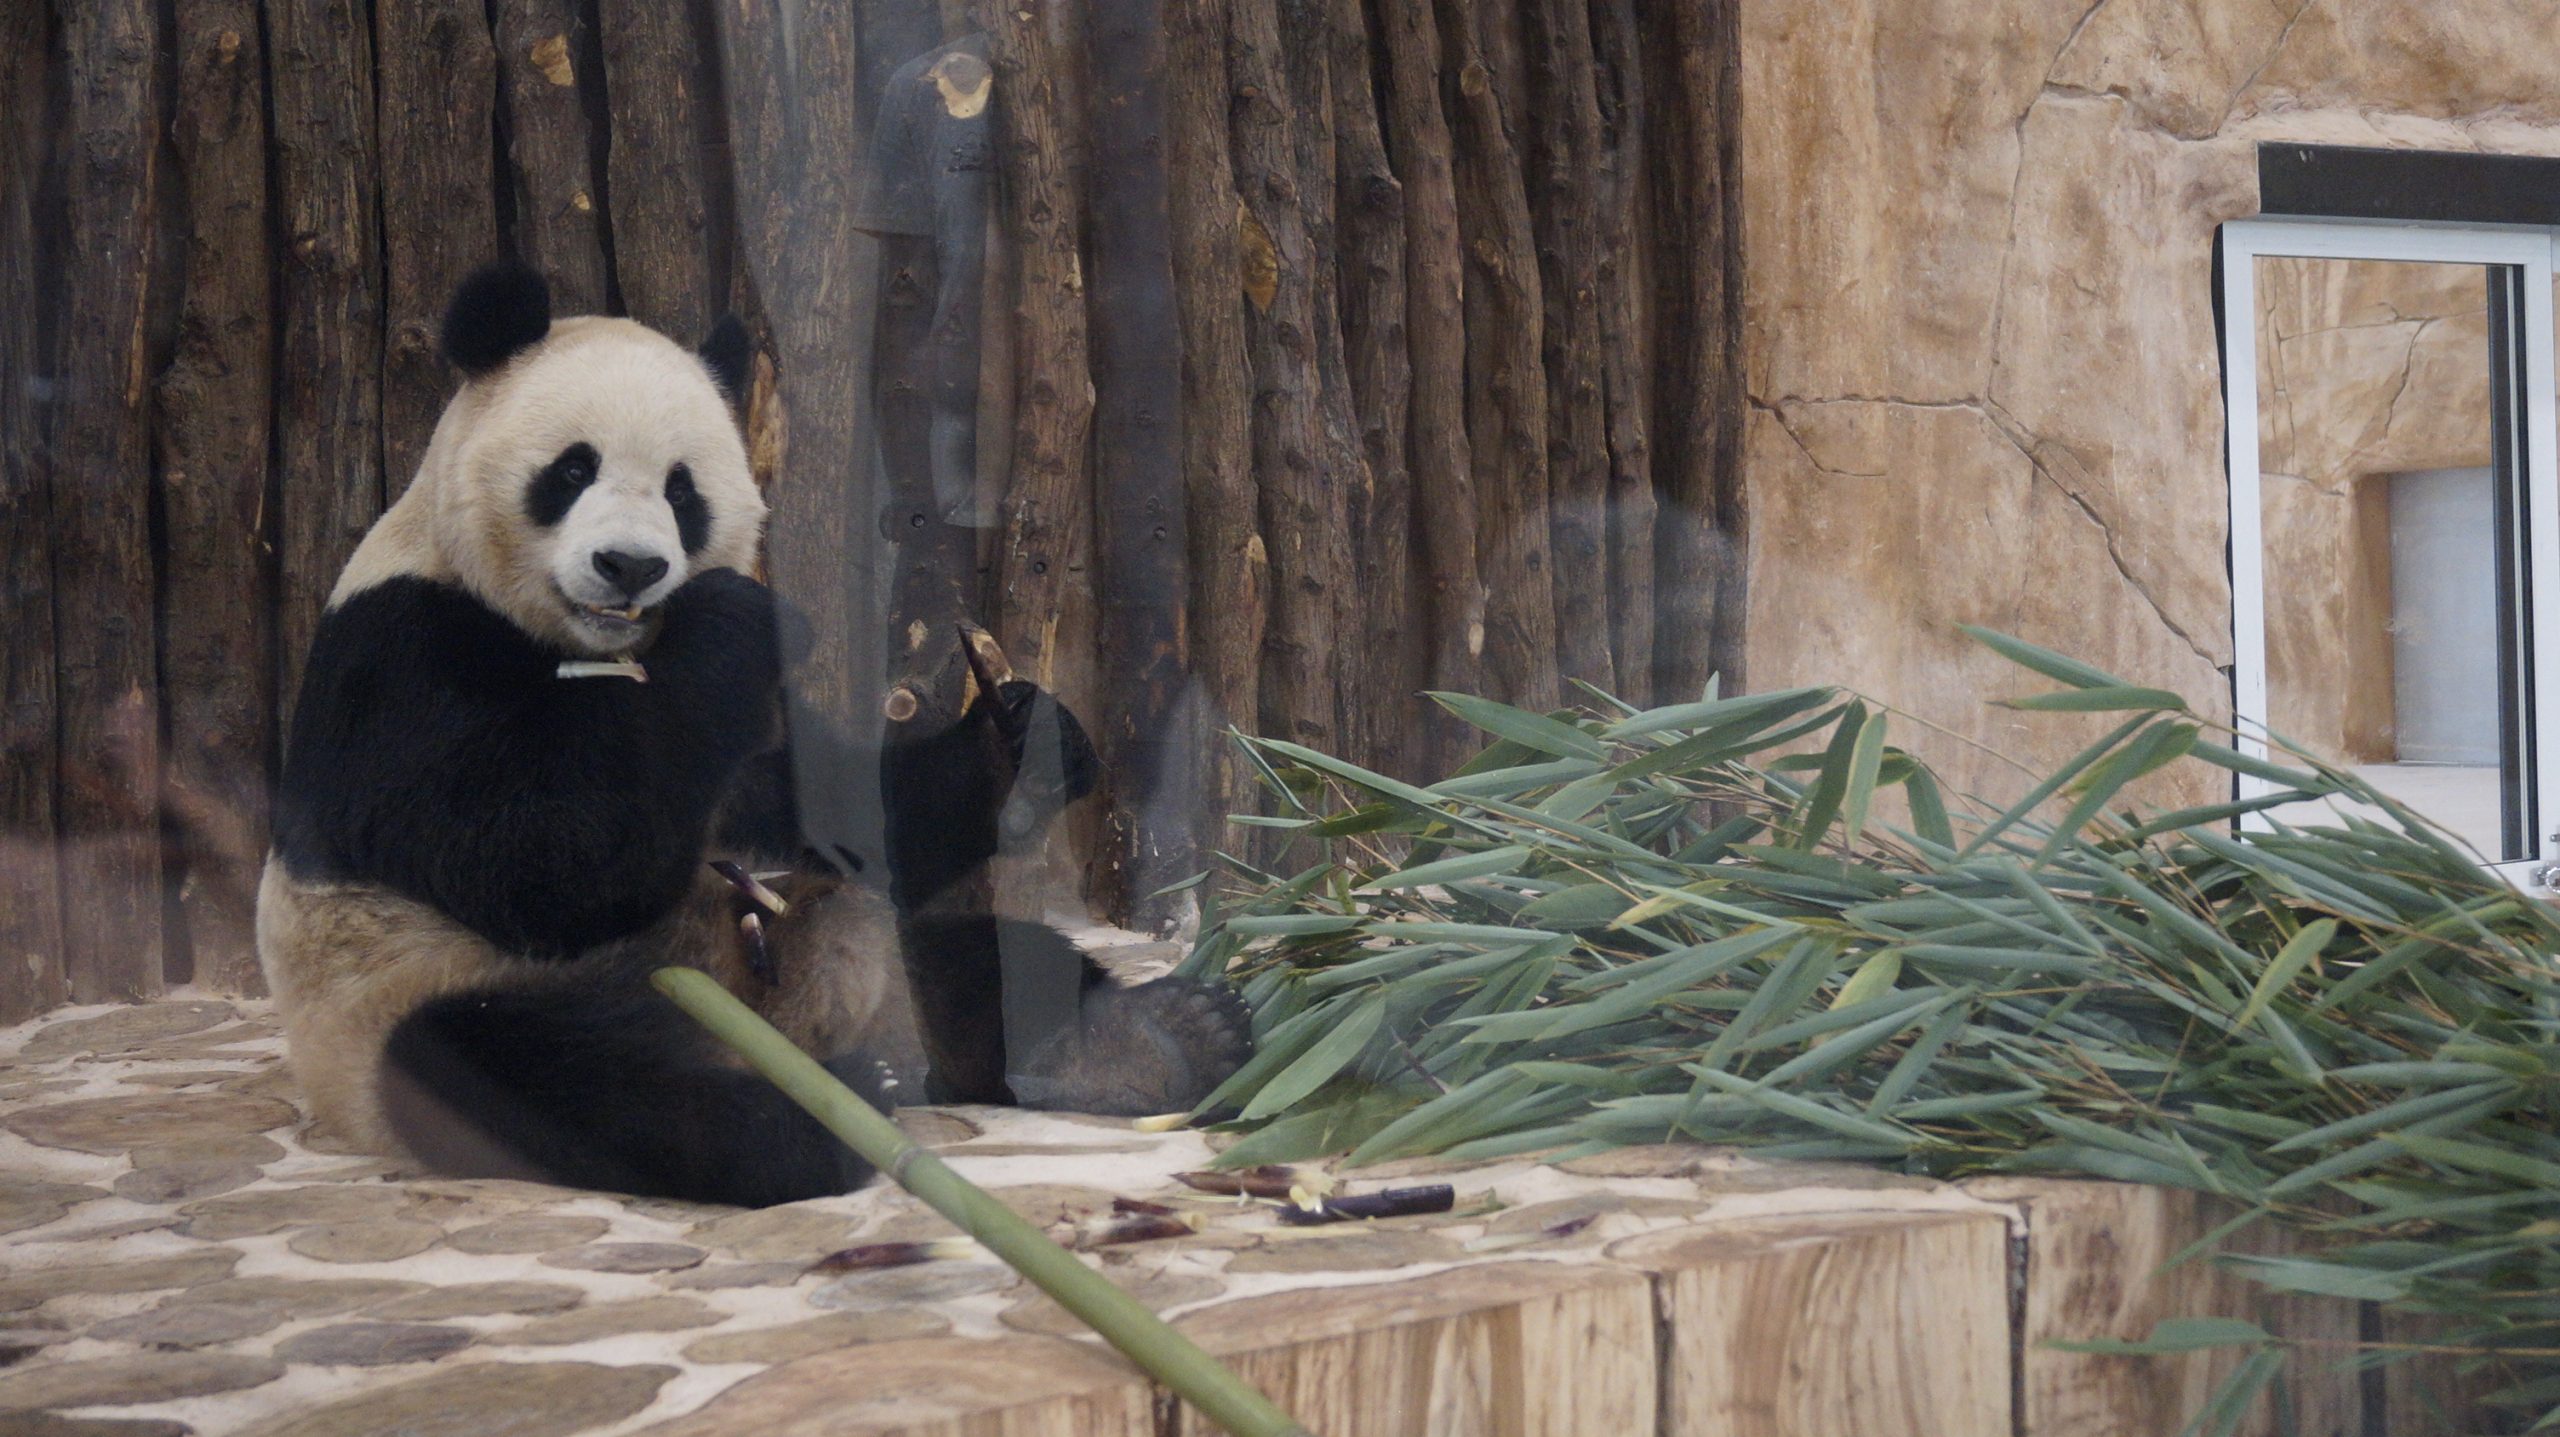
<point x="1979" y="344"/>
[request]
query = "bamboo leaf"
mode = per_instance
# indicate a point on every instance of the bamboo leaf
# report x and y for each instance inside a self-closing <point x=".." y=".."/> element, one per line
<point x="2111" y="699"/>
<point x="1530" y="730"/>
<point x="1449" y="870"/>
<point x="2287" y="965"/>
<point x="1316" y="1067"/>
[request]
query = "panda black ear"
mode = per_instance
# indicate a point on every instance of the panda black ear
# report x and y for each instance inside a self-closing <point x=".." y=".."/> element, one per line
<point x="499" y="312"/>
<point x="728" y="353"/>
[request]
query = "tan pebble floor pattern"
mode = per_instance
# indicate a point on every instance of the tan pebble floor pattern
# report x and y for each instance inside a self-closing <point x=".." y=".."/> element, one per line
<point x="181" y="1251"/>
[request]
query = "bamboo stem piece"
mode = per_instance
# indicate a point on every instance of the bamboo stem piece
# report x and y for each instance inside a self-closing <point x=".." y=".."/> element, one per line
<point x="1168" y="1356"/>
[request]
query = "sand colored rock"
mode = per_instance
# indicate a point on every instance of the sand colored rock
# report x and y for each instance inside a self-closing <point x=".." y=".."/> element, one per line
<point x="120" y="1124"/>
<point x="370" y="1240"/>
<point x="26" y="1289"/>
<point x="373" y="1344"/>
<point x="478" y="1299"/>
<point x="790" y="1231"/>
<point x="527" y="1234"/>
<point x="123" y="1029"/>
<point x="304" y="1297"/>
<point x="924" y="1283"/>
<point x="192" y="1324"/>
<point x="794" y="1340"/>
<point x="713" y="1277"/>
<point x="625" y="1257"/>
<point x="29" y="1202"/>
<point x="611" y="1319"/>
<point x="484" y="1399"/>
<point x="53" y="1424"/>
<point x="150" y="1377"/>
<point x="251" y="1214"/>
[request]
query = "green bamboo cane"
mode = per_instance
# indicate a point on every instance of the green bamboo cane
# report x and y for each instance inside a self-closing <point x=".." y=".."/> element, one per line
<point x="1170" y="1357"/>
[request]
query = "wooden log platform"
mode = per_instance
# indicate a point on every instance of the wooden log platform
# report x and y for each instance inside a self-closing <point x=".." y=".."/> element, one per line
<point x="178" y="1245"/>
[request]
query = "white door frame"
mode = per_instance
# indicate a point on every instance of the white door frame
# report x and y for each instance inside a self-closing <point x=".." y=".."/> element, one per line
<point x="2531" y="249"/>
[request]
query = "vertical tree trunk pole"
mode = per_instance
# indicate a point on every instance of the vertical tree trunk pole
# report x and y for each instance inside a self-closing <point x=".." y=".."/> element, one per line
<point x="1228" y="564"/>
<point x="794" y="133"/>
<point x="31" y="977"/>
<point x="1626" y="347"/>
<point x="1696" y="170"/>
<point x="1441" y="460"/>
<point x="559" y="207"/>
<point x="1385" y="644"/>
<point x="106" y="676"/>
<point x="1342" y="465"/>
<point x="929" y="195"/>
<point x="217" y="612"/>
<point x="663" y="240"/>
<point x="328" y="403"/>
<point x="1563" y="120"/>
<point x="1506" y="384"/>
<point x="1300" y="507"/>
<point x="1044" y="562"/>
<point x="1142" y="532"/>
<point x="933" y="574"/>
<point x="438" y="78"/>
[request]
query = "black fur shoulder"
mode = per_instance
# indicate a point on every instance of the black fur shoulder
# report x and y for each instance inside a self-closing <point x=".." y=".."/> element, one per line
<point x="435" y="751"/>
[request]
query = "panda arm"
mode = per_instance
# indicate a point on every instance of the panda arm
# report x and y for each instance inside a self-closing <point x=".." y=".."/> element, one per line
<point x="437" y="752"/>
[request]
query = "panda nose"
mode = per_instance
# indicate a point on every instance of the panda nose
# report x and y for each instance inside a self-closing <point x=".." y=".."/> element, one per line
<point x="631" y="573"/>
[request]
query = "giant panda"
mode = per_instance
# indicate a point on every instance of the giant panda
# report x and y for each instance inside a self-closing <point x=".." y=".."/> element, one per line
<point x="480" y="854"/>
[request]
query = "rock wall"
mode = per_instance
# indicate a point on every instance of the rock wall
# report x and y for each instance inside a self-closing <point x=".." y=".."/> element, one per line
<point x="1979" y="335"/>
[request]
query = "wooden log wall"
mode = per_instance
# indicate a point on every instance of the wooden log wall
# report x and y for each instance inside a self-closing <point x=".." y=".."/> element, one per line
<point x="1239" y="362"/>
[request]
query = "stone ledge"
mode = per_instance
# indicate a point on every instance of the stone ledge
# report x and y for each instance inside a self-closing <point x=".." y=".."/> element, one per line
<point x="1670" y="1288"/>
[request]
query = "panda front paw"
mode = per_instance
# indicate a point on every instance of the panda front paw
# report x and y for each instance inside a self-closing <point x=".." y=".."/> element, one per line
<point x="721" y="629"/>
<point x="1159" y="1047"/>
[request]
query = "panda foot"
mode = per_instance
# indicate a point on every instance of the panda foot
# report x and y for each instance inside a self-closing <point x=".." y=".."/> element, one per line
<point x="1158" y="1047"/>
<point x="872" y="1081"/>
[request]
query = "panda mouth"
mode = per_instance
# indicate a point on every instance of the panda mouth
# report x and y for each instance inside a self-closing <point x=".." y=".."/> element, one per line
<point x="611" y="620"/>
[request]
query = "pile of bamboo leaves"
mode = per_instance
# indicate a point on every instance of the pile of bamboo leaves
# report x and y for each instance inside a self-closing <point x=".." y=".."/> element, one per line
<point x="1696" y="921"/>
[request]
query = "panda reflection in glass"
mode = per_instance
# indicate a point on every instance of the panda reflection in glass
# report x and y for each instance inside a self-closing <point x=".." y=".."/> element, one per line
<point x="481" y="850"/>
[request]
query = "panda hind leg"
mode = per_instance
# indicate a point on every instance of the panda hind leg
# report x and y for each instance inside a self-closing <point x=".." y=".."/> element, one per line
<point x="1157" y="1047"/>
<point x="615" y="1090"/>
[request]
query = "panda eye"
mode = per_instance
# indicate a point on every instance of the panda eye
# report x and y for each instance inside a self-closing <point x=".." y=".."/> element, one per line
<point x="548" y="497"/>
<point x="693" y="517"/>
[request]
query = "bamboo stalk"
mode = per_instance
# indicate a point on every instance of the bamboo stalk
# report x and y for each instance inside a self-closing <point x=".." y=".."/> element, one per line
<point x="1149" y="1341"/>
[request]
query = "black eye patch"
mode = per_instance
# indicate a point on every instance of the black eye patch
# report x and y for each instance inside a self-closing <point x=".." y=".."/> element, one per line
<point x="693" y="516"/>
<point x="548" y="497"/>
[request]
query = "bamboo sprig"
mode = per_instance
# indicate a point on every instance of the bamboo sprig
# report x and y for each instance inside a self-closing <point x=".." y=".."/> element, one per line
<point x="1756" y="920"/>
<point x="1167" y="1355"/>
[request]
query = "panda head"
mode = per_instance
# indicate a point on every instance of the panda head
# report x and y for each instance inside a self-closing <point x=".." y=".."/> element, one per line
<point x="588" y="466"/>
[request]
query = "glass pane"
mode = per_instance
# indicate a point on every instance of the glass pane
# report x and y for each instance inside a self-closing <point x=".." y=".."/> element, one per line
<point x="2379" y="486"/>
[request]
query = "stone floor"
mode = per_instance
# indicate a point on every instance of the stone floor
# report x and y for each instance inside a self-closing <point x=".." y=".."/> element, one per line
<point x="180" y="1252"/>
